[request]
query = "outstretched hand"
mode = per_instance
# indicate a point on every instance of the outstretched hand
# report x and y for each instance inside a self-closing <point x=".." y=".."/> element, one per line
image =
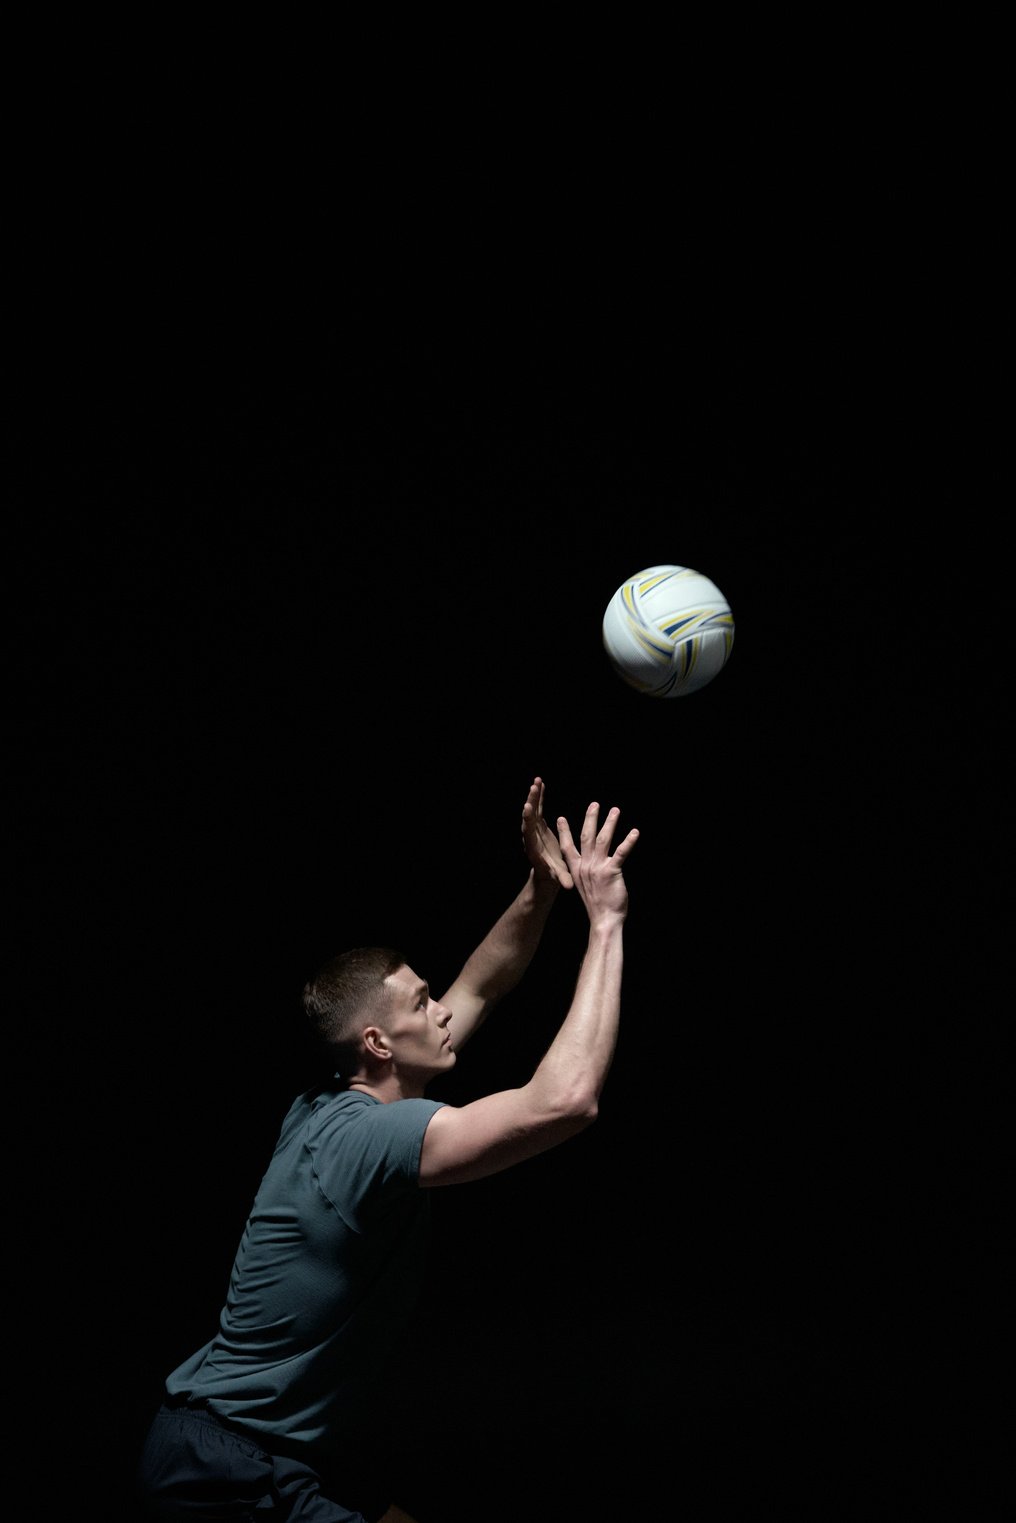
<point x="540" y="842"/>
<point x="598" y="873"/>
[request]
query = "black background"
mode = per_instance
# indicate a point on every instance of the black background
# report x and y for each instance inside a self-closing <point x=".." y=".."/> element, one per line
<point x="307" y="587"/>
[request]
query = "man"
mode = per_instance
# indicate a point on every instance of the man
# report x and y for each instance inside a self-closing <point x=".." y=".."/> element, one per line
<point x="263" y="1421"/>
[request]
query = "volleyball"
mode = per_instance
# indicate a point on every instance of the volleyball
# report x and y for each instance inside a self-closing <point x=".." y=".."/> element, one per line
<point x="668" y="631"/>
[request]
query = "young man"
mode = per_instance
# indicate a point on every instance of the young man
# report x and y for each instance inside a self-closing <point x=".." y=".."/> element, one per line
<point x="265" y="1419"/>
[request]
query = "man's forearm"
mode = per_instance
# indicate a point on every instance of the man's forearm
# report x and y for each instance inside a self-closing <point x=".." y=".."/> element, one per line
<point x="575" y="1066"/>
<point x="508" y="948"/>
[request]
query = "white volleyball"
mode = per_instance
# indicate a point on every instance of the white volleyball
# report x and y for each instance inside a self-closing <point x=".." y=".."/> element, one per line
<point x="668" y="631"/>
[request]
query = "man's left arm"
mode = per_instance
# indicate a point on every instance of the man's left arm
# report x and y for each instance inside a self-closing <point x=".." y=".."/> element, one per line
<point x="508" y="948"/>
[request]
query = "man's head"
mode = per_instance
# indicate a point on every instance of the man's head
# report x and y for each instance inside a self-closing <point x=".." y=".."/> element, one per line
<point x="375" y="1019"/>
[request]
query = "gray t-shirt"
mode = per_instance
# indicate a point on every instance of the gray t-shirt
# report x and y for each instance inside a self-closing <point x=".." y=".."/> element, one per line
<point x="327" y="1274"/>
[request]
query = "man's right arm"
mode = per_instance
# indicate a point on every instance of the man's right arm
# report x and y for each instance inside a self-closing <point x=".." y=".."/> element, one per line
<point x="469" y="1142"/>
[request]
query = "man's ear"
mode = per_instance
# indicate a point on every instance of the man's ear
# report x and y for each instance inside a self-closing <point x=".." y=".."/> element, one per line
<point x="376" y="1043"/>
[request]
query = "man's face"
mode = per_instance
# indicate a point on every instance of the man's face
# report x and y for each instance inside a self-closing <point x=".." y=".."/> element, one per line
<point x="417" y="1027"/>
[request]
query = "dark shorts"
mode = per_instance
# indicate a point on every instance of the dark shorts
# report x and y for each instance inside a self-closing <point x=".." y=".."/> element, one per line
<point x="194" y="1467"/>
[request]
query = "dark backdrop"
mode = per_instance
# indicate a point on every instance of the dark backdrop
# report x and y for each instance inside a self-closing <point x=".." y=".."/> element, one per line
<point x="304" y="599"/>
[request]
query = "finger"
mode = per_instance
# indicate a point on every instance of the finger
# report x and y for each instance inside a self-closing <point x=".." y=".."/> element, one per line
<point x="589" y="825"/>
<point x="564" y="837"/>
<point x="607" y="829"/>
<point x="624" y="848"/>
<point x="532" y="809"/>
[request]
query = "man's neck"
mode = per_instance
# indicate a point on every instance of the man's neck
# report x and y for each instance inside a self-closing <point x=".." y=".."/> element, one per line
<point x="388" y="1088"/>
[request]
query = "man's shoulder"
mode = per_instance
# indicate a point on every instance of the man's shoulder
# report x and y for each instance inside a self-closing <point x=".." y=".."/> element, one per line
<point x="355" y="1141"/>
<point x="342" y="1112"/>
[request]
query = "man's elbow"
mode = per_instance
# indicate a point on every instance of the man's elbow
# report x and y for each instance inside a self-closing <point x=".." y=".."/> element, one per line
<point x="589" y="1107"/>
<point x="571" y="1106"/>
<point x="581" y="1108"/>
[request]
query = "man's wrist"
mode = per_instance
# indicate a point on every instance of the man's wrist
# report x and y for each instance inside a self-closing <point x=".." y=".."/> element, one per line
<point x="543" y="882"/>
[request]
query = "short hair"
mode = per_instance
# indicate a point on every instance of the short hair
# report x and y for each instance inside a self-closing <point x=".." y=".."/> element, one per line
<point x="344" y="990"/>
